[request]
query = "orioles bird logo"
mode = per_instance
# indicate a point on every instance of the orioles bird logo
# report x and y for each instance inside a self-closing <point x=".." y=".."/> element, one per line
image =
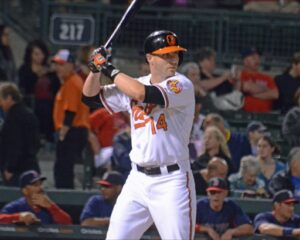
<point x="171" y="40"/>
<point x="174" y="86"/>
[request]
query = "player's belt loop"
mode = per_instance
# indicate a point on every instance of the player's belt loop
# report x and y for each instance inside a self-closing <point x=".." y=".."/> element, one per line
<point x="157" y="170"/>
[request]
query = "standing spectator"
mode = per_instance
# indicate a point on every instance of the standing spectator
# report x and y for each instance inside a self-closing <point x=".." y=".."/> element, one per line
<point x="282" y="221"/>
<point x="291" y="123"/>
<point x="246" y="183"/>
<point x="218" y="217"/>
<point x="216" y="167"/>
<point x="39" y="85"/>
<point x="214" y="146"/>
<point x="267" y="148"/>
<point x="70" y="120"/>
<point x="290" y="177"/>
<point x="288" y="83"/>
<point x="19" y="137"/>
<point x="237" y="143"/>
<point x="259" y="89"/>
<point x="98" y="209"/>
<point x="7" y="62"/>
<point x="35" y="206"/>
<point x="255" y="131"/>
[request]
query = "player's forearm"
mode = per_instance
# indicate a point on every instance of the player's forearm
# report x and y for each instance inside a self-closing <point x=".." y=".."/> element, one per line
<point x="130" y="87"/>
<point x="95" y="222"/>
<point x="271" y="229"/>
<point x="242" y="230"/>
<point x="91" y="85"/>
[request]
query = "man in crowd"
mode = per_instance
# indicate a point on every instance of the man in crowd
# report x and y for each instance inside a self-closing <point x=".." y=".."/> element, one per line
<point x="282" y="221"/>
<point x="35" y="206"/>
<point x="238" y="143"/>
<point x="97" y="210"/>
<point x="71" y="119"/>
<point x="255" y="130"/>
<point x="219" y="217"/>
<point x="19" y="136"/>
<point x="259" y="89"/>
<point x="289" y="178"/>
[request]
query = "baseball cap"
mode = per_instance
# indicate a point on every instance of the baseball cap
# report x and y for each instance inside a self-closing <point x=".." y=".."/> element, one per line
<point x="217" y="184"/>
<point x="63" y="56"/>
<point x="112" y="178"/>
<point x="248" y="52"/>
<point x="256" y="126"/>
<point x="284" y="196"/>
<point x="30" y="177"/>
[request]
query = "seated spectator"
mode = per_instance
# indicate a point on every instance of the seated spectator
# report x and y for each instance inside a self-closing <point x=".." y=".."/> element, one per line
<point x="216" y="167"/>
<point x="246" y="183"/>
<point x="214" y="146"/>
<point x="19" y="138"/>
<point x="282" y="221"/>
<point x="266" y="149"/>
<point x="35" y="206"/>
<point x="291" y="123"/>
<point x="259" y="89"/>
<point x="218" y="217"/>
<point x="290" y="177"/>
<point x="255" y="130"/>
<point x="288" y="83"/>
<point x="98" y="209"/>
<point x="286" y="6"/>
<point x="237" y="143"/>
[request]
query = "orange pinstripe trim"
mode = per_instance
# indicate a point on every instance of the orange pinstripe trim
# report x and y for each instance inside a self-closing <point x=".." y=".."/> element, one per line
<point x="165" y="96"/>
<point x="190" y="206"/>
<point x="108" y="108"/>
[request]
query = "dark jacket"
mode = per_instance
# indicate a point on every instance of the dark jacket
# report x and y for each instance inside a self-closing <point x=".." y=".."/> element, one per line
<point x="19" y="140"/>
<point x="281" y="180"/>
<point x="291" y="127"/>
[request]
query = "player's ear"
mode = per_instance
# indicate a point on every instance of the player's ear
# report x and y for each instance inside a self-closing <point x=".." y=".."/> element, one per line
<point x="148" y="57"/>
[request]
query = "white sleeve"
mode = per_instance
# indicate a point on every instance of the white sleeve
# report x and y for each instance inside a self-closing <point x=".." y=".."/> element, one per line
<point x="113" y="99"/>
<point x="177" y="91"/>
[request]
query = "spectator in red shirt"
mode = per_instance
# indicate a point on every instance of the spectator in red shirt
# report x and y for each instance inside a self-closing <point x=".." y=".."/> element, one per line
<point x="35" y="206"/>
<point x="260" y="89"/>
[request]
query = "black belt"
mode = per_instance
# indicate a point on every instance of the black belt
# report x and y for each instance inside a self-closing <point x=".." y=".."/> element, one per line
<point x="156" y="170"/>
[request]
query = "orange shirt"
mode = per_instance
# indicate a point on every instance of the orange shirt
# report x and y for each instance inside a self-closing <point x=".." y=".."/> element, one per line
<point x="106" y="125"/>
<point x="253" y="104"/>
<point x="68" y="98"/>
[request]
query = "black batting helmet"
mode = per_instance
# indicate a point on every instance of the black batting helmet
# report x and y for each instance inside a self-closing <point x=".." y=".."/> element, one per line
<point x="162" y="42"/>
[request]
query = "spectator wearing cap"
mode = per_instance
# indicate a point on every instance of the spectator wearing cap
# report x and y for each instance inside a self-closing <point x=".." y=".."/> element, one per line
<point x="71" y="119"/>
<point x="98" y="208"/>
<point x="246" y="183"/>
<point x="35" y="206"/>
<point x="288" y="178"/>
<point x="19" y="138"/>
<point x="255" y="131"/>
<point x="288" y="83"/>
<point x="259" y="89"/>
<point x="237" y="142"/>
<point x="269" y="166"/>
<point x="219" y="217"/>
<point x="282" y="221"/>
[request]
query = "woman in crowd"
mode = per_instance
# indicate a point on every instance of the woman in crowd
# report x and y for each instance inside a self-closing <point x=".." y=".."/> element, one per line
<point x="246" y="183"/>
<point x="7" y="62"/>
<point x="214" y="146"/>
<point x="39" y="84"/>
<point x="266" y="149"/>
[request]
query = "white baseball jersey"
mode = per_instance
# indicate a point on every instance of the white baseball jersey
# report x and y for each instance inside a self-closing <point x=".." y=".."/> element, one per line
<point x="160" y="134"/>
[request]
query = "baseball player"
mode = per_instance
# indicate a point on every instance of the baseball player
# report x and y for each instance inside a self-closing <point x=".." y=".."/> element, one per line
<point x="160" y="187"/>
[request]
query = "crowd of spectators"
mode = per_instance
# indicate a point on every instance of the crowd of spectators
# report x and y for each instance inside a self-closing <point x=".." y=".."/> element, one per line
<point x="41" y="101"/>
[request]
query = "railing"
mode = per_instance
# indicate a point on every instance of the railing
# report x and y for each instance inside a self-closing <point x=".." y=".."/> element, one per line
<point x="226" y="31"/>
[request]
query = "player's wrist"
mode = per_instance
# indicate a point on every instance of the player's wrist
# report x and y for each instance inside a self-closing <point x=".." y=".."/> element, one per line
<point x="109" y="70"/>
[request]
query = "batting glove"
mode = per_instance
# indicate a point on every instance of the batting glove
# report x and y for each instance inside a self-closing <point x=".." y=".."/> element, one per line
<point x="99" y="62"/>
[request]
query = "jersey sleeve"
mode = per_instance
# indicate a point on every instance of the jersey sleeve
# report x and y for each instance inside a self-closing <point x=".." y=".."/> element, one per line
<point x="91" y="209"/>
<point x="177" y="91"/>
<point x="240" y="217"/>
<point x="113" y="99"/>
<point x="260" y="219"/>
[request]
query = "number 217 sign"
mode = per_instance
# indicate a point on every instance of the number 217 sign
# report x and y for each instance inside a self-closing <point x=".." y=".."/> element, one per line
<point x="70" y="29"/>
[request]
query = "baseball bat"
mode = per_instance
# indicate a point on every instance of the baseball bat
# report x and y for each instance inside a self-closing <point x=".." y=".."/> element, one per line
<point x="134" y="6"/>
